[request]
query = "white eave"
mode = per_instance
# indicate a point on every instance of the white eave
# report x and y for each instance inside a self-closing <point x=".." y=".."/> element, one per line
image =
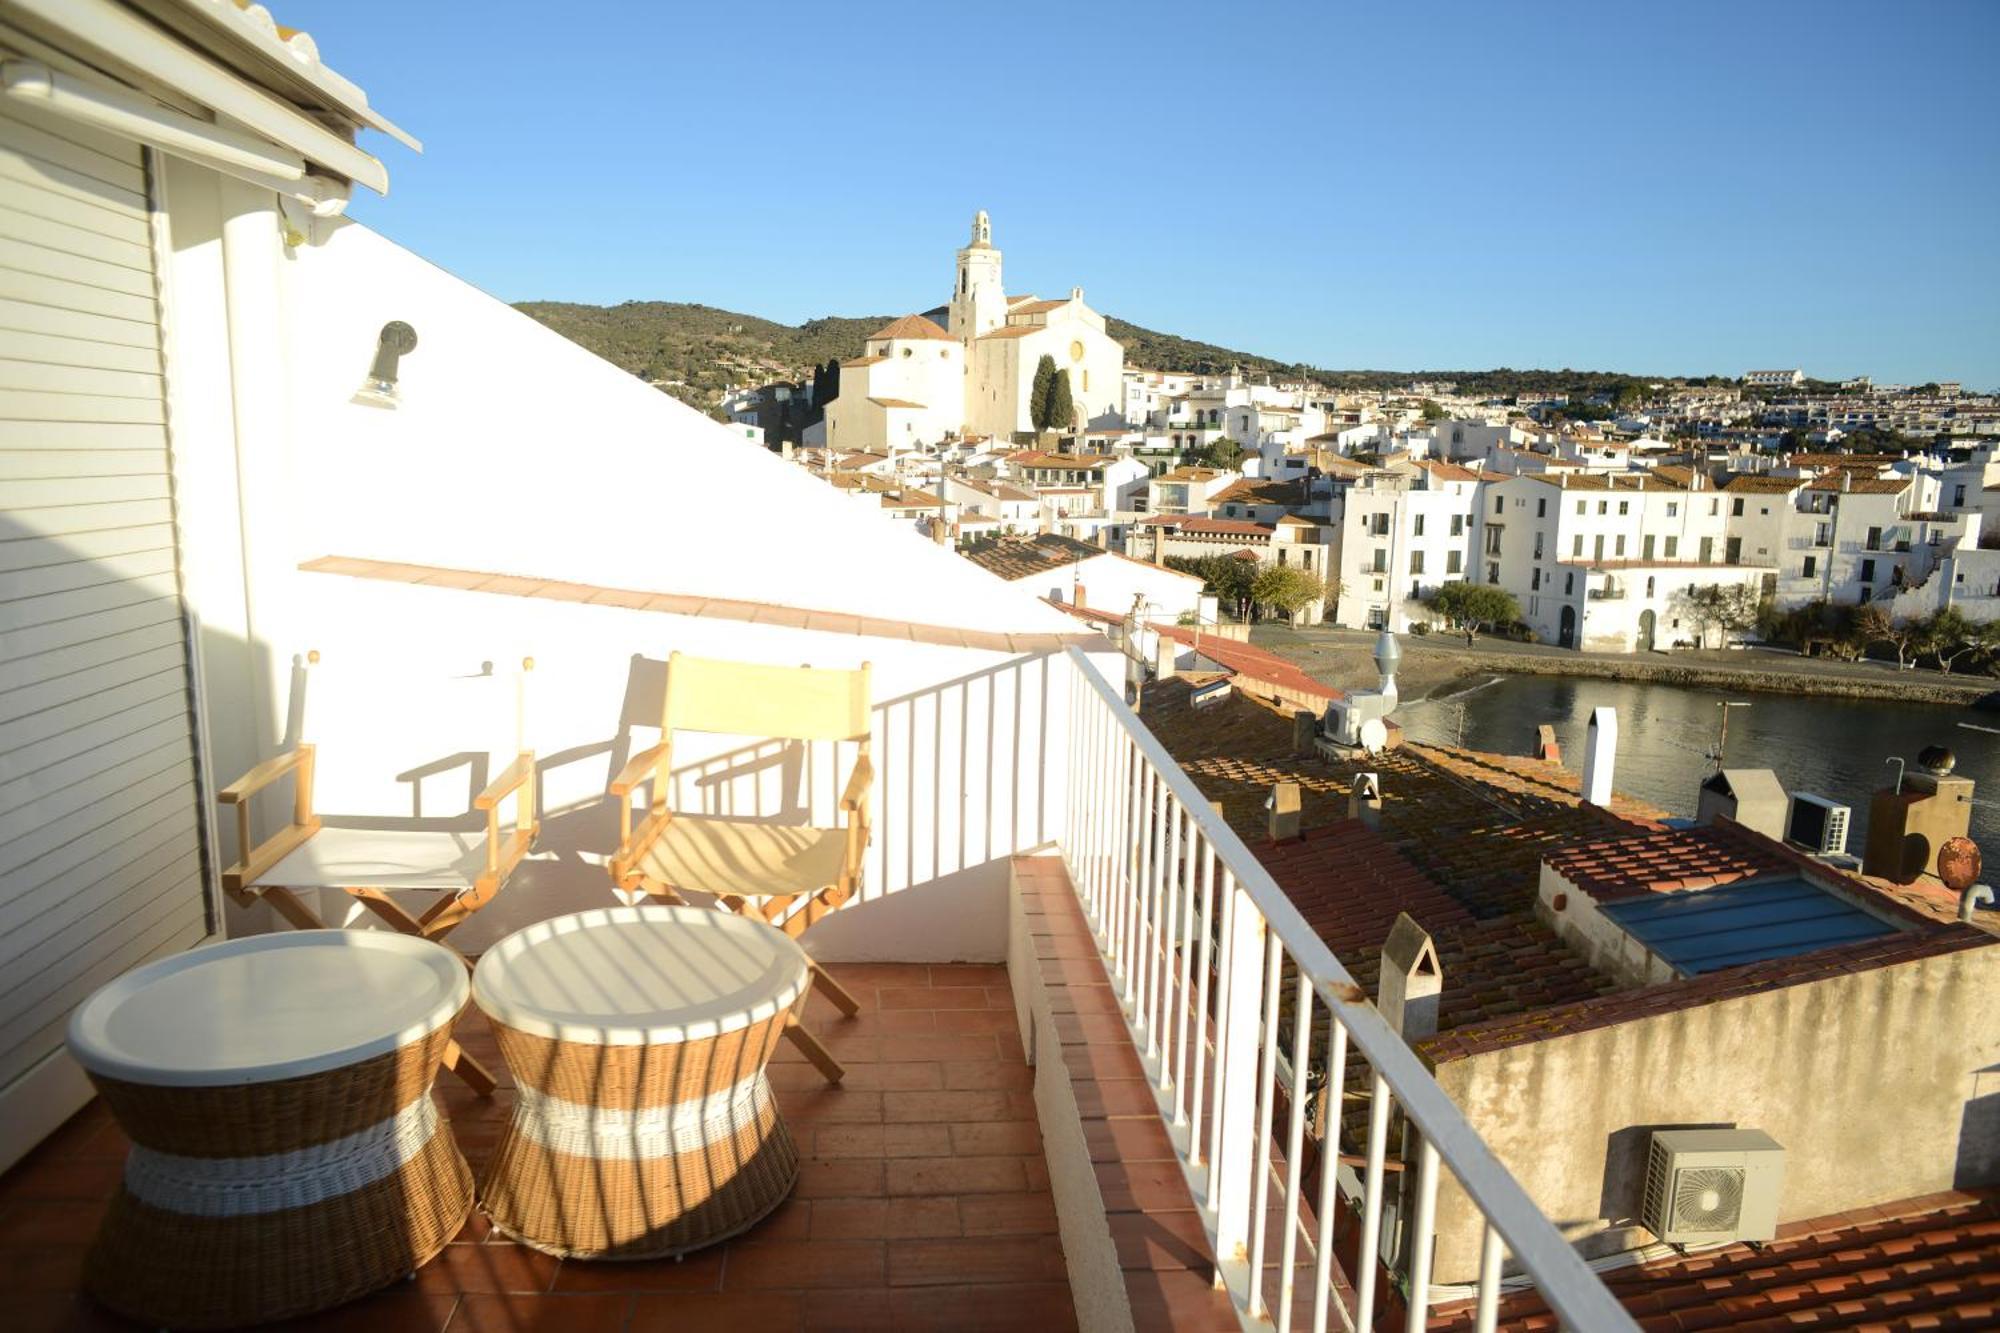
<point x="229" y="61"/>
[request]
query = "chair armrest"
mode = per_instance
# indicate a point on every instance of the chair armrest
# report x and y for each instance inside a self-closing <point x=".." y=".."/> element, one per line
<point x="263" y="775"/>
<point x="855" y="799"/>
<point x="637" y="769"/>
<point x="510" y="777"/>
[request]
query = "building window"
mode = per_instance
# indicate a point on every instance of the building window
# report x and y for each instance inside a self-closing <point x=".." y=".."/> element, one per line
<point x="1581" y="509"/>
<point x="1714" y="508"/>
<point x="1576" y="547"/>
<point x="1867" y="571"/>
<point x="1958" y="497"/>
<point x="1499" y="504"/>
<point x="1651" y="583"/>
<point x="1673" y="547"/>
<point x="1673" y="509"/>
<point x="1624" y="506"/>
<point x="1812" y="563"/>
<point x="1453" y="563"/>
<point x="1493" y="541"/>
<point x="1603" y="507"/>
<point x="1620" y="552"/>
<point x="1281" y="556"/>
<point x="1874" y="542"/>
<point x="1307" y="557"/>
<point x="1538" y="546"/>
<point x="1534" y="580"/>
<point x="1736" y="507"/>
<point x="1542" y="507"/>
<point x="1492" y="572"/>
<point x="1569" y="582"/>
<point x="1416" y="562"/>
<point x="1416" y="525"/>
<point x="1458" y="525"/>
<point x="1377" y="585"/>
<point x="1381" y="564"/>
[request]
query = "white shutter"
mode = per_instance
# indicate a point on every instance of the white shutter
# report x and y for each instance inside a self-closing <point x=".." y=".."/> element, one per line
<point x="101" y="835"/>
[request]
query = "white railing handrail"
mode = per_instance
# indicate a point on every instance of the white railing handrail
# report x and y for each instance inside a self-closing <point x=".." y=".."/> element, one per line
<point x="1563" y="1279"/>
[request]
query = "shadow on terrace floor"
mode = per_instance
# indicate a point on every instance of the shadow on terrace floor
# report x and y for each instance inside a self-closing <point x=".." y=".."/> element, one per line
<point x="922" y="1203"/>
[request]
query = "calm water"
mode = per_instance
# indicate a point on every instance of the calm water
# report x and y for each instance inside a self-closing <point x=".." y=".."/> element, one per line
<point x="1832" y="747"/>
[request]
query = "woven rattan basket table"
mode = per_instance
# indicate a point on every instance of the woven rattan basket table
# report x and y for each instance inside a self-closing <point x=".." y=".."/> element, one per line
<point x="287" y="1154"/>
<point x="638" y="1037"/>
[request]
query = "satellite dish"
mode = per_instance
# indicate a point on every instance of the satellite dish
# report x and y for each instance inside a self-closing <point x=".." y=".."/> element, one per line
<point x="1374" y="735"/>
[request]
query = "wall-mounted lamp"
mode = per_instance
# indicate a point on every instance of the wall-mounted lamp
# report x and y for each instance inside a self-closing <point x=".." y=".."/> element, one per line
<point x="379" y="389"/>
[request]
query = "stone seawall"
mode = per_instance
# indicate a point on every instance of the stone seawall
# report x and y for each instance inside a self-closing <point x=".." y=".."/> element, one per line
<point x="1906" y="687"/>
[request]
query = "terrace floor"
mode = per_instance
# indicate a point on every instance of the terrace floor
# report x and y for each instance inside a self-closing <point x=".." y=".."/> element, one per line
<point x="923" y="1201"/>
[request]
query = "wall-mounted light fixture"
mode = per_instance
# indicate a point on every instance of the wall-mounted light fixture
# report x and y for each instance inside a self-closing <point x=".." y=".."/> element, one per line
<point x="379" y="389"/>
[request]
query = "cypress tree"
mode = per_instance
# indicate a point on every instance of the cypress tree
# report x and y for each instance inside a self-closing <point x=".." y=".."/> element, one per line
<point x="832" y="378"/>
<point x="1062" y="410"/>
<point x="1038" y="396"/>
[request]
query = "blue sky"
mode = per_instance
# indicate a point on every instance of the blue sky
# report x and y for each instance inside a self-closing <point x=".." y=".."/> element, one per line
<point x="1682" y="188"/>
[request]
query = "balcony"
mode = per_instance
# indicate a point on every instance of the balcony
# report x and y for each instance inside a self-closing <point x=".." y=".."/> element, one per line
<point x="1077" y="1124"/>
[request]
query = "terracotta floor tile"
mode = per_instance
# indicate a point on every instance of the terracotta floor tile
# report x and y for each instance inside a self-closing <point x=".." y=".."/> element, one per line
<point x="501" y="1266"/>
<point x="1181" y="1301"/>
<point x="999" y="1138"/>
<point x="701" y="1271"/>
<point x="987" y="1076"/>
<point x="977" y="1021"/>
<point x="850" y="1311"/>
<point x="791" y="1078"/>
<point x="825" y="1105"/>
<point x="914" y="1263"/>
<point x="734" y="1311"/>
<point x="886" y="1219"/>
<point x="788" y="1264"/>
<point x="1163" y="1240"/>
<point x="948" y="1107"/>
<point x="956" y="1175"/>
<point x="840" y="1178"/>
<point x="970" y="1046"/>
<point x="934" y="997"/>
<point x="399" y="1309"/>
<point x="41" y="1268"/>
<point x="969" y="974"/>
<point x="598" y="1312"/>
<point x="52" y="1221"/>
<point x="1008" y="1214"/>
<point x="44" y="1175"/>
<point x="1045" y="1307"/>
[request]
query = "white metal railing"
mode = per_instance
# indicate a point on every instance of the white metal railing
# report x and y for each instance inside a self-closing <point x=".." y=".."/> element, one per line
<point x="1156" y="867"/>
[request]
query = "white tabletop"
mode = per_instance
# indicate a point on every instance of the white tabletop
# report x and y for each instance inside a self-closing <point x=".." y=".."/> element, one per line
<point x="632" y="976"/>
<point x="268" y="1007"/>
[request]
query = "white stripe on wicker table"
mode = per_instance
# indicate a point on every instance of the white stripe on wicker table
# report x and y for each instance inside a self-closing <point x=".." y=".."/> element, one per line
<point x="577" y="1130"/>
<point x="245" y="1186"/>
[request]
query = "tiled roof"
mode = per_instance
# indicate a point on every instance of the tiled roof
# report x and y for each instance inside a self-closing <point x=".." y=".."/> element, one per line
<point x="899" y="403"/>
<point x="1757" y="483"/>
<point x="1018" y="558"/>
<point x="1861" y="485"/>
<point x="1253" y="662"/>
<point x="1033" y="307"/>
<point x="1015" y="331"/>
<point x="911" y="326"/>
<point x="861" y="361"/>
<point x="1263" y="491"/>
<point x="1234" y="527"/>
<point x="1609" y="481"/>
<point x="1666" y="861"/>
<point x="1931" y="1262"/>
<point x="1448" y="471"/>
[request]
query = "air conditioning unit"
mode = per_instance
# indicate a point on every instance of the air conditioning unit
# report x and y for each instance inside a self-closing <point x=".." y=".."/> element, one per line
<point x="1705" y="1186"/>
<point x="1817" y="824"/>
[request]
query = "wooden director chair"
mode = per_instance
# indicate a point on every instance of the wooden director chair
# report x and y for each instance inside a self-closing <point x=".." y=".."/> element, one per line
<point x="370" y="864"/>
<point x="788" y="875"/>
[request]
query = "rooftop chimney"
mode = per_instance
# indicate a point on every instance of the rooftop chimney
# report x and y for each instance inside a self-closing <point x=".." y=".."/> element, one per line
<point x="1411" y="981"/>
<point x="1305" y="732"/>
<point x="1282" y="811"/>
<point x="1364" y="801"/>
<point x="1600" y="754"/>
<point x="1546" y="748"/>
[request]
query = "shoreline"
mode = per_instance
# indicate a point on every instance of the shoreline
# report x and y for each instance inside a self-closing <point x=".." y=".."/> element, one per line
<point x="1441" y="671"/>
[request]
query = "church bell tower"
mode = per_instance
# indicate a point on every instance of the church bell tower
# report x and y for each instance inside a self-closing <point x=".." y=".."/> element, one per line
<point x="978" y="300"/>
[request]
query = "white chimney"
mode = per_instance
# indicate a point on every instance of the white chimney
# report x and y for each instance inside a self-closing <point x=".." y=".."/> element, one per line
<point x="1410" y="983"/>
<point x="1600" y="755"/>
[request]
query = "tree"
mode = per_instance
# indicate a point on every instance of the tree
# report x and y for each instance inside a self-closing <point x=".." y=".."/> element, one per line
<point x="1431" y="410"/>
<point x="1062" y="408"/>
<point x="832" y="380"/>
<point x="1471" y="606"/>
<point x="1220" y="452"/>
<point x="1287" y="587"/>
<point x="1224" y="577"/>
<point x="1948" y="634"/>
<point x="1874" y="624"/>
<point x="1716" y="606"/>
<point x="1038" y="394"/>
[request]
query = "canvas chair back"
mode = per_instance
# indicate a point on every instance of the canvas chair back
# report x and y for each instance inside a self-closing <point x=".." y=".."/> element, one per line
<point x="747" y="699"/>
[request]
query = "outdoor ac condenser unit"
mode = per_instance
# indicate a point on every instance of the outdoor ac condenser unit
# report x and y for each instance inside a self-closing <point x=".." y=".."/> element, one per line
<point x="1711" y="1185"/>
<point x="1817" y="824"/>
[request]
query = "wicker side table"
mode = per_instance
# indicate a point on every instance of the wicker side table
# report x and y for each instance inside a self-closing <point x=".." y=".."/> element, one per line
<point x="638" y="1036"/>
<point x="287" y="1154"/>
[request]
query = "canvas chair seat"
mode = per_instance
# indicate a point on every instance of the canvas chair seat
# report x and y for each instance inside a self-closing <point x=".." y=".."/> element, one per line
<point x="389" y="859"/>
<point x="744" y="858"/>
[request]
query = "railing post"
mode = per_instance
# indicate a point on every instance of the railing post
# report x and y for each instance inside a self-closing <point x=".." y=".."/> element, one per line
<point x="1236" y="1164"/>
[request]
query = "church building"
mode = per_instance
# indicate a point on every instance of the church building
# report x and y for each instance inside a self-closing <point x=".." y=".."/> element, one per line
<point x="919" y="381"/>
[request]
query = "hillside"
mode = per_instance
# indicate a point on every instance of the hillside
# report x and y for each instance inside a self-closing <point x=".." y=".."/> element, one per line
<point x="695" y="351"/>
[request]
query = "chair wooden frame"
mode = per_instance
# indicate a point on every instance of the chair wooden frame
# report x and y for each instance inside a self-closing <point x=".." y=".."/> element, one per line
<point x="654" y="766"/>
<point x="503" y="854"/>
